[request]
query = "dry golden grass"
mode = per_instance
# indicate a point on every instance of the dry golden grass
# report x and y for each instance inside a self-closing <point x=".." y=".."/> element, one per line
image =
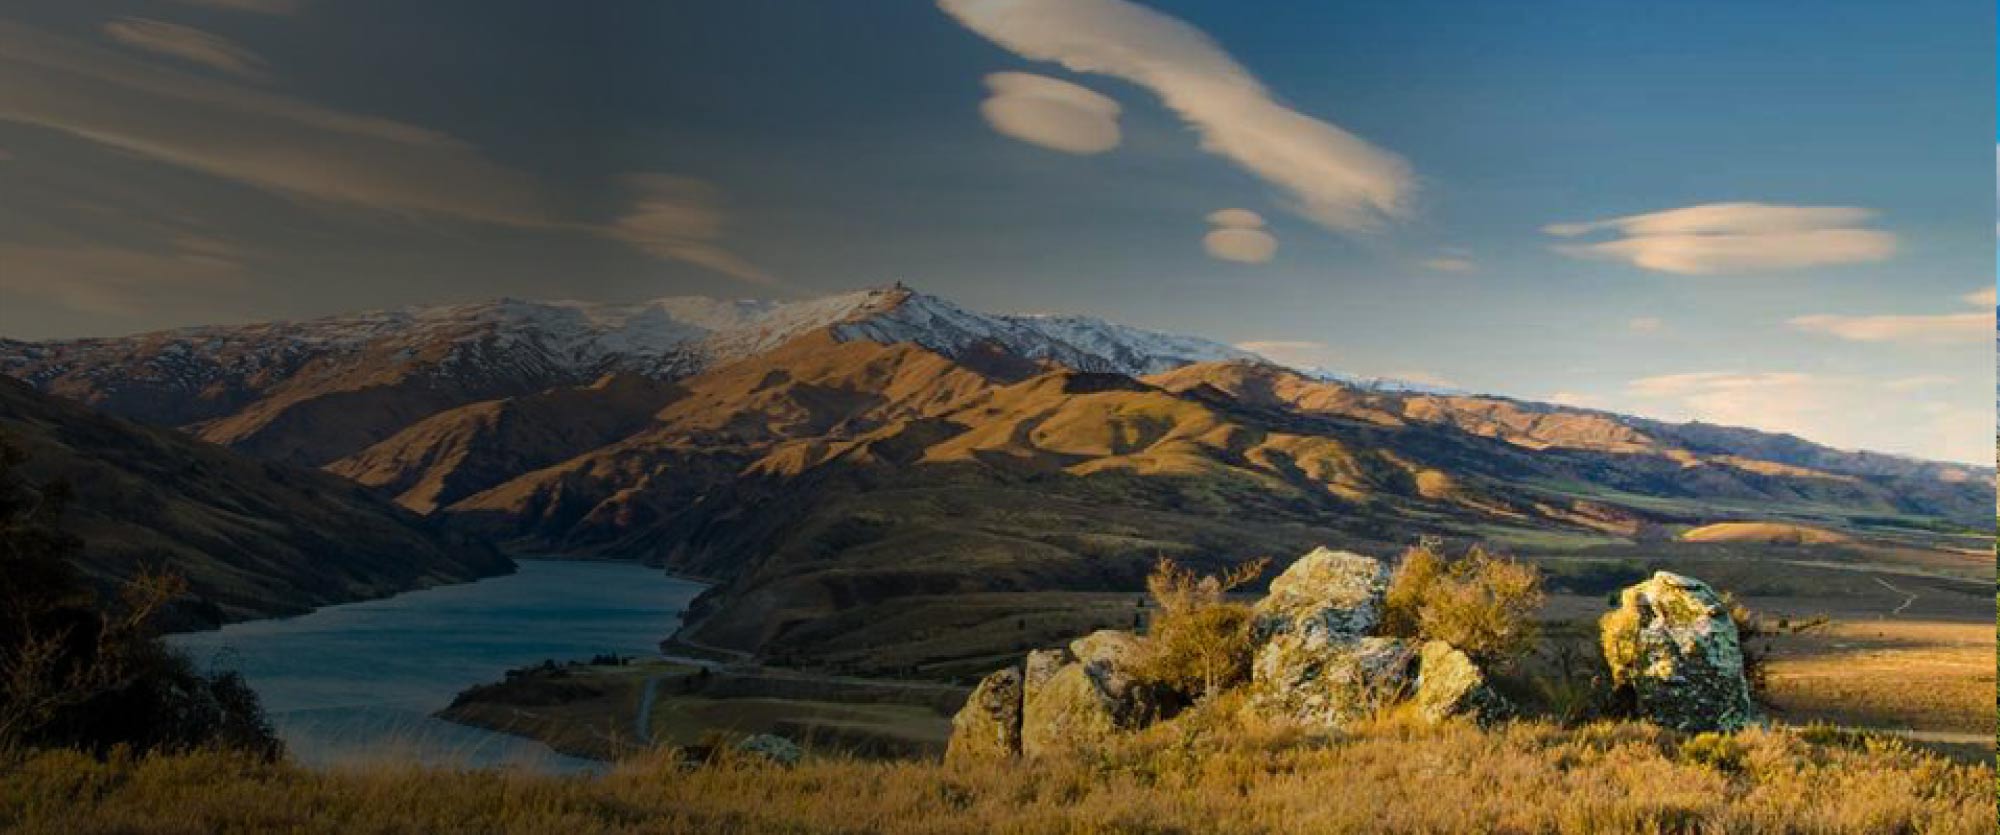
<point x="1211" y="772"/>
<point x="1920" y="675"/>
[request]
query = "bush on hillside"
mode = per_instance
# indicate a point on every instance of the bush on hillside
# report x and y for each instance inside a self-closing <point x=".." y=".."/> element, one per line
<point x="1200" y="641"/>
<point x="1482" y="603"/>
<point x="80" y="672"/>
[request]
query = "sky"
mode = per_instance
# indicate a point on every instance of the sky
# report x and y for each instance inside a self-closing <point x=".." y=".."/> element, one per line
<point x="1771" y="214"/>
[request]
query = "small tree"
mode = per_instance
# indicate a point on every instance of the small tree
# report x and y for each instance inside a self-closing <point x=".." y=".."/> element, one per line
<point x="1482" y="603"/>
<point x="1200" y="641"/>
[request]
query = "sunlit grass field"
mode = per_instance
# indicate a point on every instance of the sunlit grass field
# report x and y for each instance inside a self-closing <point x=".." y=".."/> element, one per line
<point x="1208" y="772"/>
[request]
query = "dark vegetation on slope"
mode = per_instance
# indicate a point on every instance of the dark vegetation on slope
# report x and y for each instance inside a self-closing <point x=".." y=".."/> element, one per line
<point x="251" y="538"/>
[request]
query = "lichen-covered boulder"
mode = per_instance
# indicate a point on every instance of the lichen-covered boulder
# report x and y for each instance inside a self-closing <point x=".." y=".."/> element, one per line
<point x="1327" y="683"/>
<point x="1080" y="697"/>
<point x="1450" y="685"/>
<point x="1671" y="642"/>
<point x="770" y="748"/>
<point x="1326" y="596"/>
<point x="988" y="727"/>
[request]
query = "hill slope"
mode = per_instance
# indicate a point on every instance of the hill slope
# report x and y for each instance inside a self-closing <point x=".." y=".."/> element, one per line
<point x="254" y="539"/>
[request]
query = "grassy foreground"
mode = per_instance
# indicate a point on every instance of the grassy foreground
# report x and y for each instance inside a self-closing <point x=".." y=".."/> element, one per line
<point x="1200" y="775"/>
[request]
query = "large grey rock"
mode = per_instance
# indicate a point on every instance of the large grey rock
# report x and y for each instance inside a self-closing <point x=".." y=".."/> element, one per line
<point x="1326" y="596"/>
<point x="1450" y="685"/>
<point x="1081" y="697"/>
<point x="1672" y="643"/>
<point x="1325" y="683"/>
<point x="988" y="727"/>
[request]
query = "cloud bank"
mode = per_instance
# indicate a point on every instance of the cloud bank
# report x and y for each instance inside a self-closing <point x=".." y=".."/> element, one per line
<point x="1732" y="237"/>
<point x="1334" y="177"/>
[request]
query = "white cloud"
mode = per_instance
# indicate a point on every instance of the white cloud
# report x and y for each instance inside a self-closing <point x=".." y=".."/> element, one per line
<point x="1236" y="218"/>
<point x="1732" y="237"/>
<point x="1840" y="411"/>
<point x="1931" y="330"/>
<point x="1646" y="324"/>
<point x="1338" y="179"/>
<point x="1924" y="329"/>
<point x="1051" y="113"/>
<point x="1246" y="246"/>
<point x="1238" y="238"/>
<point x="189" y="44"/>
<point x="1450" y="264"/>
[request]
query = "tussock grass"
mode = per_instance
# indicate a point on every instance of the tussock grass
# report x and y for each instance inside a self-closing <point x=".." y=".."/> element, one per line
<point x="1212" y="770"/>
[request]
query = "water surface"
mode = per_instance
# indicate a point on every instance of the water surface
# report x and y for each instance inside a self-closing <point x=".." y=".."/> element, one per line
<point x="355" y="683"/>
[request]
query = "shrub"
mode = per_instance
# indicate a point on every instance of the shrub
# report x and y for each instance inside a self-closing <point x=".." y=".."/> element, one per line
<point x="91" y="674"/>
<point x="1482" y="603"/>
<point x="1721" y="752"/>
<point x="1200" y="641"/>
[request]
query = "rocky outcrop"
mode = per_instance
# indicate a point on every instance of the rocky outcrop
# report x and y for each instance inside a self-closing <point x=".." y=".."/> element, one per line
<point x="1057" y="699"/>
<point x="1450" y="685"/>
<point x="988" y="727"/>
<point x="1082" y="696"/>
<point x="1316" y="662"/>
<point x="1325" y="596"/>
<point x="1672" y="646"/>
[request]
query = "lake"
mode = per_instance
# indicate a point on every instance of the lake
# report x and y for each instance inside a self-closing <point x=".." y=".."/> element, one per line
<point x="356" y="683"/>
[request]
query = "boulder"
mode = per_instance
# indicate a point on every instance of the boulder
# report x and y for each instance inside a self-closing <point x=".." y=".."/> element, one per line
<point x="1326" y="596"/>
<point x="1450" y="685"/>
<point x="988" y="727"/>
<point x="1307" y="678"/>
<point x="773" y="749"/>
<point x="1671" y="643"/>
<point x="1082" y="696"/>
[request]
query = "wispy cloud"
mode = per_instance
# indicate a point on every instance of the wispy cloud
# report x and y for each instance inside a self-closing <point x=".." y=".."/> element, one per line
<point x="303" y="151"/>
<point x="1051" y="113"/>
<point x="1336" y="178"/>
<point x="1925" y="329"/>
<point x="1239" y="236"/>
<point x="676" y="218"/>
<point x="1732" y="237"/>
<point x="1645" y="324"/>
<point x="117" y="281"/>
<point x="189" y="44"/>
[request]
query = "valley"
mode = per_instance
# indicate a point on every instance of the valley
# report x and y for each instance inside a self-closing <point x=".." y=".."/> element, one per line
<point x="876" y="480"/>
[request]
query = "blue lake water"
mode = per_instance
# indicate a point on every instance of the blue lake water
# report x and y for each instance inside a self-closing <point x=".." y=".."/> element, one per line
<point x="355" y="683"/>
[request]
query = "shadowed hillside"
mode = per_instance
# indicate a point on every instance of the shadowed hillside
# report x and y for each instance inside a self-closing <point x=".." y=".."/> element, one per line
<point x="253" y="539"/>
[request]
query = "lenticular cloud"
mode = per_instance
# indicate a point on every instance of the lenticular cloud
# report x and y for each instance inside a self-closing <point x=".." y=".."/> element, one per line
<point x="1335" y="178"/>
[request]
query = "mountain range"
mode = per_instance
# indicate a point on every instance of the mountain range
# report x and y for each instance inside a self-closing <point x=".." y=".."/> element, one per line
<point x="838" y="464"/>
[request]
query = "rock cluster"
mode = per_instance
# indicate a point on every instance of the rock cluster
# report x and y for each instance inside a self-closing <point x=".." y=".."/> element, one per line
<point x="1672" y="645"/>
<point x="1319" y="661"/>
<point x="1316" y="662"/>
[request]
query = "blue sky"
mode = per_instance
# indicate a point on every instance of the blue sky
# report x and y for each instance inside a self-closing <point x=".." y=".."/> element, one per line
<point x="1774" y="213"/>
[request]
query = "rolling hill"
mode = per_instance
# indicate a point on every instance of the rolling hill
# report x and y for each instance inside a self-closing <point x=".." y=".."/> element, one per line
<point x="253" y="538"/>
<point x="853" y="469"/>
